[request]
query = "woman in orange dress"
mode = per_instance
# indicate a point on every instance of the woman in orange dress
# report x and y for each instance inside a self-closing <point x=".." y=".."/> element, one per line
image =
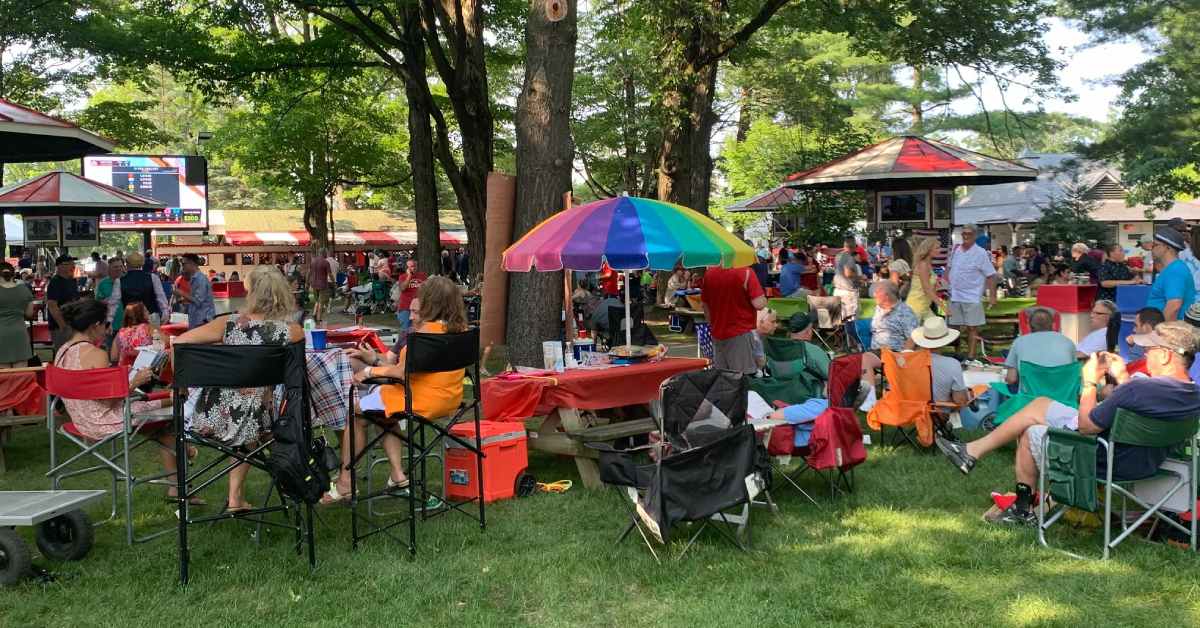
<point x="435" y="395"/>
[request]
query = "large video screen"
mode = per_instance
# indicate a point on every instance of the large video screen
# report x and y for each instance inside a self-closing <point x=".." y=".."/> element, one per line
<point x="180" y="183"/>
<point x="902" y="207"/>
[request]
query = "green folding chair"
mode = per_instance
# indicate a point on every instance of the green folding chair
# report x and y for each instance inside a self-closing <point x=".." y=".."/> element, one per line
<point x="1060" y="383"/>
<point x="1068" y="474"/>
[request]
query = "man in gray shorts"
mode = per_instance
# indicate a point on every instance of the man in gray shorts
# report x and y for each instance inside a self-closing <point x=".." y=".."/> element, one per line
<point x="970" y="269"/>
<point x="1167" y="394"/>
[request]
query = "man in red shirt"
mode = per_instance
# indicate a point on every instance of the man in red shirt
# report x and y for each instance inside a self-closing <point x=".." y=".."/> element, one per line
<point x="732" y="298"/>
<point x="409" y="282"/>
<point x="608" y="281"/>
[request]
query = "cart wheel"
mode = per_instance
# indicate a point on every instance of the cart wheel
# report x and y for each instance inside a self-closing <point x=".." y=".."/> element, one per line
<point x="526" y="485"/>
<point x="14" y="557"/>
<point x="68" y="536"/>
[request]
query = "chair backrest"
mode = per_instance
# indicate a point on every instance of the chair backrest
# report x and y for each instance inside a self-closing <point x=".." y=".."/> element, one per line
<point x="828" y="309"/>
<point x="845" y="376"/>
<point x="687" y="395"/>
<point x="1023" y="320"/>
<point x="783" y="349"/>
<point x="1130" y="428"/>
<point x="616" y="314"/>
<point x="1060" y="383"/>
<point x="90" y="384"/>
<point x="240" y="366"/>
<point x="909" y="374"/>
<point x="438" y="353"/>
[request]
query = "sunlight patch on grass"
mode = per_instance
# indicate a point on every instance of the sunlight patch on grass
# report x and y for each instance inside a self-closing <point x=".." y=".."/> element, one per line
<point x="1035" y="610"/>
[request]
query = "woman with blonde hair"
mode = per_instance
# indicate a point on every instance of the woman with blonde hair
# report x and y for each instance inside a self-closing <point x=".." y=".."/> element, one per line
<point x="922" y="293"/>
<point x="236" y="417"/>
<point x="435" y="395"/>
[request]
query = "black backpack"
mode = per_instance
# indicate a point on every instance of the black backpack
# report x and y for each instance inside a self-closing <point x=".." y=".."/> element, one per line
<point x="297" y="463"/>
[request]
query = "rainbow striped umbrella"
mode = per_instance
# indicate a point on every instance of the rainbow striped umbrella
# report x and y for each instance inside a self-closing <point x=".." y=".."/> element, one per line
<point x="630" y="234"/>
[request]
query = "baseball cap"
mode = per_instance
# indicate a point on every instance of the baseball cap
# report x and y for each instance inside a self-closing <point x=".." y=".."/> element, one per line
<point x="1176" y="336"/>
<point x="1170" y="237"/>
<point x="799" y="322"/>
<point x="63" y="259"/>
<point x="1146" y="240"/>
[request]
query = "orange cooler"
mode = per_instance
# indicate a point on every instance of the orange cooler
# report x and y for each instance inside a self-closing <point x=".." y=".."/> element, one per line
<point x="505" y="458"/>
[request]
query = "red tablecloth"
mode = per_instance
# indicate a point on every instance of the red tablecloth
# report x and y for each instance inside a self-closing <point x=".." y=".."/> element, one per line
<point x="357" y="334"/>
<point x="22" y="393"/>
<point x="583" y="389"/>
<point x="174" y="329"/>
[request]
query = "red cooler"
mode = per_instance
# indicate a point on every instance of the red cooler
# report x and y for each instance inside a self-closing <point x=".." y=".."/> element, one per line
<point x="505" y="458"/>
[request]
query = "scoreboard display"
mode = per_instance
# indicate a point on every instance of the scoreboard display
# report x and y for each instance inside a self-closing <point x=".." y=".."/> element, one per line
<point x="178" y="182"/>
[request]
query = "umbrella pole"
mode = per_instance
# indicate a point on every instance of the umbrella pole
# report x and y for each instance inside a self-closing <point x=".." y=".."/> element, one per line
<point x="628" y="323"/>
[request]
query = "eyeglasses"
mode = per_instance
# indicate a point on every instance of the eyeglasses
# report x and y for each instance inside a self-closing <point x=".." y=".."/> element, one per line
<point x="1100" y="313"/>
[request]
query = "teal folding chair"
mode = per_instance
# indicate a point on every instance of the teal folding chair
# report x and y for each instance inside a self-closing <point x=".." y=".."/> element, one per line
<point x="1068" y="474"/>
<point x="1060" y="383"/>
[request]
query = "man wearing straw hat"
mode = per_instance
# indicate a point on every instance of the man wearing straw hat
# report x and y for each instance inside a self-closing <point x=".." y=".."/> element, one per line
<point x="948" y="381"/>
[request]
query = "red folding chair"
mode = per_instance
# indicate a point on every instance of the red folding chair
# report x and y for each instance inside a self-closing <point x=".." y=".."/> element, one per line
<point x="97" y="385"/>
<point x="1023" y="320"/>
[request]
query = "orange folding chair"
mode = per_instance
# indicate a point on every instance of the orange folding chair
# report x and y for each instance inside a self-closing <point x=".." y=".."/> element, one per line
<point x="908" y="402"/>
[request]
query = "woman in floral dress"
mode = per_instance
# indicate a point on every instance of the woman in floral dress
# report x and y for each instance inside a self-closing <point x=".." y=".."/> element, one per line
<point x="237" y="417"/>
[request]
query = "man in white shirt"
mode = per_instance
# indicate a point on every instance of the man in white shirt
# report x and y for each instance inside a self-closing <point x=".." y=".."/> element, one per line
<point x="970" y="269"/>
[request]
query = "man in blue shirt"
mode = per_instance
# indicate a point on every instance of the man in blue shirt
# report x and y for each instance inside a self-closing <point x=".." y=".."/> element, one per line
<point x="1173" y="290"/>
<point x="200" y="308"/>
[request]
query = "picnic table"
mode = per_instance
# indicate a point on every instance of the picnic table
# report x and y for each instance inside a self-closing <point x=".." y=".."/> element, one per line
<point x="569" y="402"/>
<point x="21" y="392"/>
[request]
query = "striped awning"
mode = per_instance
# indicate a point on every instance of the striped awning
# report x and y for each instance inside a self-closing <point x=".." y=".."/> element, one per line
<point x="351" y="238"/>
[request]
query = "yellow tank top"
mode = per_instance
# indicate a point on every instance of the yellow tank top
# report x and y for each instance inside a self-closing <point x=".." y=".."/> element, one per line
<point x="918" y="300"/>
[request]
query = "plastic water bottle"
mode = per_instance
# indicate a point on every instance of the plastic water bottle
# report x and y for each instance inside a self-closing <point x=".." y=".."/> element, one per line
<point x="309" y="325"/>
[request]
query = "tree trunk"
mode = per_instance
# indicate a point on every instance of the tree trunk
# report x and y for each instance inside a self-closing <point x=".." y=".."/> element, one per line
<point x="685" y="164"/>
<point x="745" y="113"/>
<point x="454" y="35"/>
<point x="420" y="145"/>
<point x="918" y="114"/>
<point x="544" y="157"/>
<point x="316" y="220"/>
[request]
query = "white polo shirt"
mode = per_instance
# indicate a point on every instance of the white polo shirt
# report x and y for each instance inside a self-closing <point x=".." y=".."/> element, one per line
<point x="969" y="270"/>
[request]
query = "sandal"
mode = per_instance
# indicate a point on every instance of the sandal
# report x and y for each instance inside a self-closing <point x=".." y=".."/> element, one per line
<point x="398" y="488"/>
<point x="194" y="500"/>
<point x="248" y="507"/>
<point x="334" y="496"/>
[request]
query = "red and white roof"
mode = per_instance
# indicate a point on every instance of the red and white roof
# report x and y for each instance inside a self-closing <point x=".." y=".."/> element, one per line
<point x="910" y="161"/>
<point x="64" y="193"/>
<point x="781" y="196"/>
<point x="356" y="238"/>
<point x="27" y="135"/>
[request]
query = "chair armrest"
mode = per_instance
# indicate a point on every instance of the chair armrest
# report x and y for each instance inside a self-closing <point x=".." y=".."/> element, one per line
<point x="384" y="381"/>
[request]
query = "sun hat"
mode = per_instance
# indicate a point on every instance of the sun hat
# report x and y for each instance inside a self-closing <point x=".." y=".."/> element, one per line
<point x="1170" y="237"/>
<point x="933" y="333"/>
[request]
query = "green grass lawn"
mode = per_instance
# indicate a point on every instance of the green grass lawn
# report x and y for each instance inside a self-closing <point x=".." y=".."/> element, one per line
<point x="907" y="549"/>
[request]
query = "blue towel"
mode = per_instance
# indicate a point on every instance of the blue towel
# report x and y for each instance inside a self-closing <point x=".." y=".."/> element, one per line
<point x="802" y="416"/>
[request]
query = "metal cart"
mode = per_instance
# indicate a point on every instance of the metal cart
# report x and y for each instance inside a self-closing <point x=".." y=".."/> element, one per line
<point x="63" y="531"/>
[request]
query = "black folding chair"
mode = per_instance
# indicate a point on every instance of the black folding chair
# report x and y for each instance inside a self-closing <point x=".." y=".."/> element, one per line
<point x="425" y="353"/>
<point x="240" y="366"/>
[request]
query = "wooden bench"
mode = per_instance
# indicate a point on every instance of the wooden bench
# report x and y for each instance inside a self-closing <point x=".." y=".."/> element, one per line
<point x="613" y="431"/>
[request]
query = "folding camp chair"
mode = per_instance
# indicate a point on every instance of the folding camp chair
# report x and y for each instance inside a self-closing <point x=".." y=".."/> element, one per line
<point x="908" y="403"/>
<point x="1060" y="383"/>
<point x="792" y="378"/>
<point x="835" y="444"/>
<point x="425" y="353"/>
<point x="830" y="329"/>
<point x="97" y="385"/>
<point x="1069" y="474"/>
<point x="242" y="366"/>
<point x="707" y="462"/>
